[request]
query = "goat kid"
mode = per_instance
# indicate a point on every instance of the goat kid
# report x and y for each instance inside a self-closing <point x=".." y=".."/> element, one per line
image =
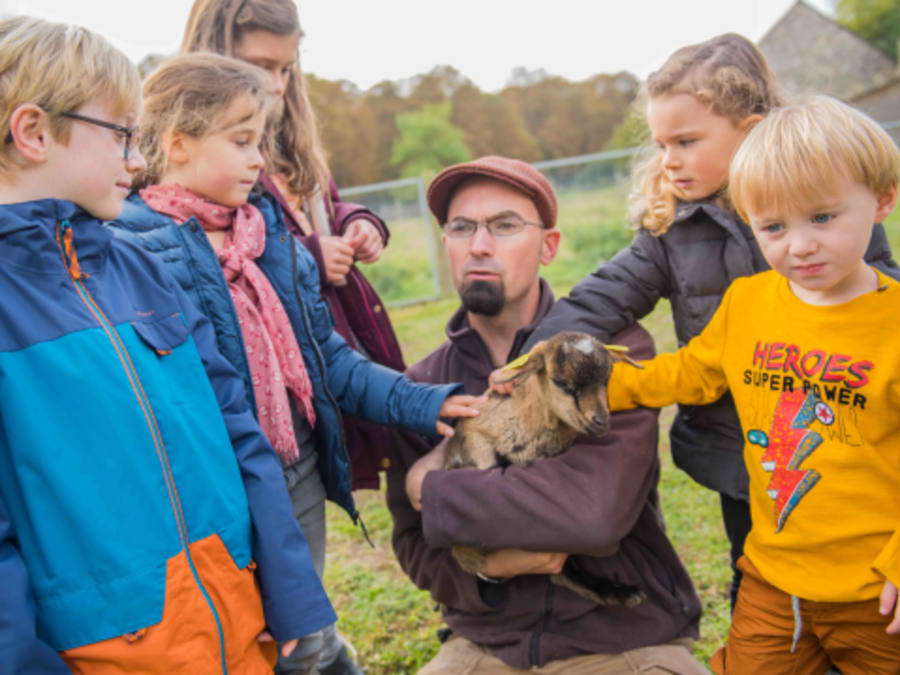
<point x="560" y="392"/>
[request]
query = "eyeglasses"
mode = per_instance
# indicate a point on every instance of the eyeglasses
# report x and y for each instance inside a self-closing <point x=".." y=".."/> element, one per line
<point x="132" y="134"/>
<point x="505" y="225"/>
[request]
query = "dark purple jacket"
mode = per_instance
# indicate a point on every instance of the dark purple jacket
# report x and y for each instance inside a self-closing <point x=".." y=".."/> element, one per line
<point x="360" y="318"/>
<point x="598" y="501"/>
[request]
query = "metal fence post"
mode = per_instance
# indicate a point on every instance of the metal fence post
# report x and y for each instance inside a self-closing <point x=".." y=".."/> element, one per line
<point x="436" y="275"/>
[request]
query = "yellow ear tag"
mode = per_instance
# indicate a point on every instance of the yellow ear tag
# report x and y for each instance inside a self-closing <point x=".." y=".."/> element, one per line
<point x="515" y="364"/>
<point x="622" y="349"/>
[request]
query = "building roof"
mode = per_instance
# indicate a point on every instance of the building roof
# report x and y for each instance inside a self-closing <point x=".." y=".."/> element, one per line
<point x="811" y="53"/>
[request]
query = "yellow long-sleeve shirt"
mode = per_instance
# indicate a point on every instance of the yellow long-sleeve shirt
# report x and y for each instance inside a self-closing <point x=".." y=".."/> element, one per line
<point x="817" y="390"/>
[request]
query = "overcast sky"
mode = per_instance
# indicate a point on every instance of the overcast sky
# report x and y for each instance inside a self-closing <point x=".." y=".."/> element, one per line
<point x="366" y="42"/>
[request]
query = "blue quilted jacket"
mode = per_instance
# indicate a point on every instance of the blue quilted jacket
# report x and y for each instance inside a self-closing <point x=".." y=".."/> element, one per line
<point x="126" y="443"/>
<point x="342" y="378"/>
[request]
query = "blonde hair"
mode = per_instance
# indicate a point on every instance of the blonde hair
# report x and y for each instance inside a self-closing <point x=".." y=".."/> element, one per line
<point x="729" y="75"/>
<point x="189" y="94"/>
<point x="59" y="68"/>
<point x="295" y="150"/>
<point x="798" y="154"/>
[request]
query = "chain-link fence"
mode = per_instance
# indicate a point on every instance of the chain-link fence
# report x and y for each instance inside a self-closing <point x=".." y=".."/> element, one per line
<point x="592" y="194"/>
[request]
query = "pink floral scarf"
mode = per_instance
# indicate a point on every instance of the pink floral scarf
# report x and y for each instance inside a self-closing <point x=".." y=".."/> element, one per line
<point x="276" y="363"/>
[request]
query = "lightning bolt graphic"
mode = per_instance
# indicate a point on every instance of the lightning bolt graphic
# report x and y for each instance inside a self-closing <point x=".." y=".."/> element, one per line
<point x="790" y="442"/>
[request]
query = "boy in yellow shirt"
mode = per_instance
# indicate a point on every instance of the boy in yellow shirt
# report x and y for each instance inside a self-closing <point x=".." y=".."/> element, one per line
<point x="809" y="354"/>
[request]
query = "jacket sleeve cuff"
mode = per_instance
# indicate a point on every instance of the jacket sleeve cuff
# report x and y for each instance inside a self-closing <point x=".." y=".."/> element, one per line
<point x="617" y="392"/>
<point x="293" y="616"/>
<point x="422" y="404"/>
<point x="368" y="216"/>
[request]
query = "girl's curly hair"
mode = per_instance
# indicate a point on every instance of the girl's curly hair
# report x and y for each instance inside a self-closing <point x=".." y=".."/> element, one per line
<point x="727" y="73"/>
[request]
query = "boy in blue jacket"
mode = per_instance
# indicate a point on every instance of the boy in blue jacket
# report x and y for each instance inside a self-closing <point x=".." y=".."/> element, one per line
<point x="144" y="523"/>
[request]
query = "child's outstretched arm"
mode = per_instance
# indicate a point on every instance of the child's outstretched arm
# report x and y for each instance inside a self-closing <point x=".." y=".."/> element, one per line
<point x="21" y="651"/>
<point x="459" y="405"/>
<point x="693" y="375"/>
<point x="366" y="389"/>
<point x="378" y="394"/>
<point x="614" y="296"/>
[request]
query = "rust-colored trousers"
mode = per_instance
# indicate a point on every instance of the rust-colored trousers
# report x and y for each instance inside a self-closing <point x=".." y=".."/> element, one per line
<point x="849" y="635"/>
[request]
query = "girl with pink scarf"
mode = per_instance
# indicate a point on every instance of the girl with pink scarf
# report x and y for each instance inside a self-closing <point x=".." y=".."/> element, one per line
<point x="202" y="130"/>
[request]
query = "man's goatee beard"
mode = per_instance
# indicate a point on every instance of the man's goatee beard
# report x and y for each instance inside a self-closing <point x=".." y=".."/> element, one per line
<point x="482" y="297"/>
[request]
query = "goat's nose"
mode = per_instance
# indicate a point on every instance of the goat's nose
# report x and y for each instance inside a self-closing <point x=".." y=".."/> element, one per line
<point x="599" y="420"/>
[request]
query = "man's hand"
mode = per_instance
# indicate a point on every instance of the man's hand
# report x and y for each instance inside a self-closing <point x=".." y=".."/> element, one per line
<point x="338" y="257"/>
<point x="461" y="405"/>
<point x="286" y="648"/>
<point x="889" y="604"/>
<point x="433" y="461"/>
<point x="512" y="562"/>
<point x="365" y="239"/>
<point x="505" y="388"/>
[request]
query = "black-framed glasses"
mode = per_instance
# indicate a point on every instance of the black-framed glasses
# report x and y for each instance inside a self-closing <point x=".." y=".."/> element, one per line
<point x="131" y="134"/>
<point x="503" y="225"/>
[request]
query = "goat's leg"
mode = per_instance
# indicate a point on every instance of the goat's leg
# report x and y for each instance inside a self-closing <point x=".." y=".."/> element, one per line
<point x="601" y="590"/>
<point x="470" y="559"/>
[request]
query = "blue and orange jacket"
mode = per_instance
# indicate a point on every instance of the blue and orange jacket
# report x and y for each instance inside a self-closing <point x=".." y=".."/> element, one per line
<point x="133" y="475"/>
<point x="343" y="379"/>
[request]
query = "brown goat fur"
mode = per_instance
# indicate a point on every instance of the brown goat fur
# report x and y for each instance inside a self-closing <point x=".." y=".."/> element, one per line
<point x="560" y="392"/>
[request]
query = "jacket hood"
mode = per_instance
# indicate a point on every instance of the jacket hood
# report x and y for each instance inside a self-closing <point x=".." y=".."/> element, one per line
<point x="22" y="215"/>
<point x="28" y="234"/>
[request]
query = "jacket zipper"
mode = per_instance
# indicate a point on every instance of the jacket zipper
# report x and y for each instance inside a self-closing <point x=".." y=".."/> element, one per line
<point x="64" y="239"/>
<point x="354" y="514"/>
<point x="545" y="623"/>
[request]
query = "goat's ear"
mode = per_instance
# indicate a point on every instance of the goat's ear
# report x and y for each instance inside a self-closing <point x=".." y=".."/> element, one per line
<point x="526" y="364"/>
<point x="620" y="353"/>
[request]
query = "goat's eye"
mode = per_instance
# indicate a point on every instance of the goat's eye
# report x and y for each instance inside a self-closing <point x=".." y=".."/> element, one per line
<point x="563" y="384"/>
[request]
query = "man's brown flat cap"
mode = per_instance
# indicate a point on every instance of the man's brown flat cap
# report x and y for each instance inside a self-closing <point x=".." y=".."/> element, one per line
<point x="520" y="175"/>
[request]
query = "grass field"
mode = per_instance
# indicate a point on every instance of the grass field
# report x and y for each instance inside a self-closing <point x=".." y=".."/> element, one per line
<point x="389" y="621"/>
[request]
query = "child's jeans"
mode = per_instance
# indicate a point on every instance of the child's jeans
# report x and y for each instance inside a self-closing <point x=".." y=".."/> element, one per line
<point x="308" y="498"/>
<point x="765" y="627"/>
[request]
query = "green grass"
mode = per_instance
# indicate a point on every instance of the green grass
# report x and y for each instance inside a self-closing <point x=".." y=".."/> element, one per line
<point x="892" y="225"/>
<point x="389" y="621"/>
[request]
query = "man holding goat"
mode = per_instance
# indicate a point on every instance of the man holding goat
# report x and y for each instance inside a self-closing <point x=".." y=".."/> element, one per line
<point x="595" y="505"/>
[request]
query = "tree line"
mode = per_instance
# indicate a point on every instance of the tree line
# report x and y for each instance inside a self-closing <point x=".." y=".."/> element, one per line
<point x="431" y="120"/>
<point x="397" y="129"/>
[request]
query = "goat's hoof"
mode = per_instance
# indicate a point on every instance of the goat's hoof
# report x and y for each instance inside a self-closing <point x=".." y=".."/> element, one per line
<point x="634" y="598"/>
<point x="605" y="592"/>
